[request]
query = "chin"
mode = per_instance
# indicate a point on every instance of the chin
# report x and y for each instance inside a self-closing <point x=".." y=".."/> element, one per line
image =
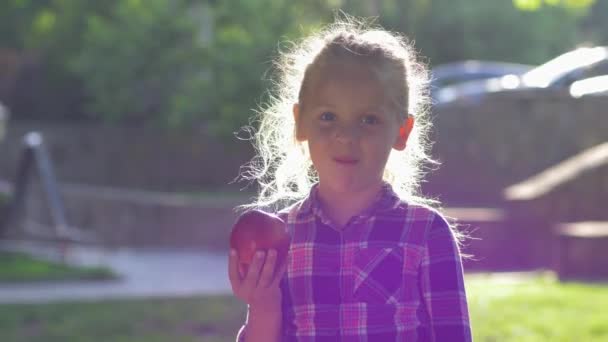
<point x="342" y="185"/>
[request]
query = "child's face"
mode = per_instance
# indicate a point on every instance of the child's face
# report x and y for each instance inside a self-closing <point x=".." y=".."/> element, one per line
<point x="350" y="126"/>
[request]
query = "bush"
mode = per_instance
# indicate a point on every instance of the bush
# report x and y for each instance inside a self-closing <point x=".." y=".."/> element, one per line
<point x="144" y="62"/>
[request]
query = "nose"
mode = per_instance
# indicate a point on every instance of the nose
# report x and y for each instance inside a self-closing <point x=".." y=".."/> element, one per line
<point x="347" y="133"/>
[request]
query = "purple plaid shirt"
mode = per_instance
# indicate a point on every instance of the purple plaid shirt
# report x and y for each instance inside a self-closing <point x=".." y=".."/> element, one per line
<point x="392" y="273"/>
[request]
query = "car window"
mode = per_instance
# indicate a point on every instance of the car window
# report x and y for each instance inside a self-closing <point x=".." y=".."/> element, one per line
<point x="596" y="70"/>
<point x="590" y="86"/>
<point x="564" y="68"/>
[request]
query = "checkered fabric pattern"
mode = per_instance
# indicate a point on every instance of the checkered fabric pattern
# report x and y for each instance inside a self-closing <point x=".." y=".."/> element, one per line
<point x="393" y="273"/>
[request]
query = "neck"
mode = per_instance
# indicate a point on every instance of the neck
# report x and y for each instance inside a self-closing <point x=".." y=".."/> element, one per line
<point x="341" y="206"/>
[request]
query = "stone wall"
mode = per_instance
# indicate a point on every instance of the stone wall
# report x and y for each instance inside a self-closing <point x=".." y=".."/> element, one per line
<point x="506" y="138"/>
<point x="131" y="157"/>
<point x="117" y="217"/>
<point x="485" y="148"/>
<point x="573" y="190"/>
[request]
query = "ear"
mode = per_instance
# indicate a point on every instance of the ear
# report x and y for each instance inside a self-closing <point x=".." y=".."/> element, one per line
<point x="298" y="129"/>
<point x="404" y="133"/>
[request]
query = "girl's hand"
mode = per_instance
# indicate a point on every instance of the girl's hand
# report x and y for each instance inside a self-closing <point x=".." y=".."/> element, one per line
<point x="258" y="285"/>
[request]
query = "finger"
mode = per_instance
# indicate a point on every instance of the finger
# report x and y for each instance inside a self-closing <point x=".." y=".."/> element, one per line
<point x="233" y="272"/>
<point x="253" y="274"/>
<point x="244" y="267"/>
<point x="280" y="272"/>
<point x="243" y="270"/>
<point x="268" y="269"/>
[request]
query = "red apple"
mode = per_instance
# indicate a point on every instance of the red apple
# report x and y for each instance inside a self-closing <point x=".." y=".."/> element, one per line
<point x="258" y="230"/>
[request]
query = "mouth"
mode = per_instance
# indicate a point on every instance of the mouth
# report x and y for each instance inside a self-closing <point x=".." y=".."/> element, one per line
<point x="346" y="160"/>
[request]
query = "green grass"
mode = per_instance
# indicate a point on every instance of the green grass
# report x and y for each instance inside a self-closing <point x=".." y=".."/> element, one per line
<point x="211" y="319"/>
<point x="19" y="267"/>
<point x="503" y="308"/>
<point x="512" y="308"/>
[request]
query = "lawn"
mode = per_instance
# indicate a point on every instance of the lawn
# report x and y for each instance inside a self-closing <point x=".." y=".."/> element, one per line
<point x="503" y="308"/>
<point x="537" y="308"/>
<point x="19" y="267"/>
<point x="208" y="319"/>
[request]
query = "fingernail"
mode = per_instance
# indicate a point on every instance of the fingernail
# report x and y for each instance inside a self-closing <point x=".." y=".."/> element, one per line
<point x="232" y="252"/>
<point x="260" y="255"/>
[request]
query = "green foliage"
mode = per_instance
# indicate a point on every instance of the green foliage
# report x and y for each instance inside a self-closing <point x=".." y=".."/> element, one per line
<point x="175" y="63"/>
<point x="595" y="25"/>
<point x="142" y="61"/>
<point x="449" y="30"/>
<point x="182" y="62"/>
<point x="534" y="5"/>
<point x="46" y="34"/>
<point x="16" y="19"/>
<point x="246" y="37"/>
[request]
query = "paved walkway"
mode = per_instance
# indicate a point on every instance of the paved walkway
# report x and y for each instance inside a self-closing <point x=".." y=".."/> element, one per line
<point x="144" y="273"/>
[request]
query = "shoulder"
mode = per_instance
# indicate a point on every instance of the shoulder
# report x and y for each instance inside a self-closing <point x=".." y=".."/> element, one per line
<point x="435" y="231"/>
<point x="425" y="220"/>
<point x="414" y="212"/>
<point x="293" y="209"/>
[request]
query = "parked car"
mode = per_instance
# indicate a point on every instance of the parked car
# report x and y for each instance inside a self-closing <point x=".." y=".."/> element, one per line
<point x="593" y="86"/>
<point x="471" y="70"/>
<point x="558" y="73"/>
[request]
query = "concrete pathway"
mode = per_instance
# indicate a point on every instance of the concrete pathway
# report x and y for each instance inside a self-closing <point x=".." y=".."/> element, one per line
<point x="143" y="273"/>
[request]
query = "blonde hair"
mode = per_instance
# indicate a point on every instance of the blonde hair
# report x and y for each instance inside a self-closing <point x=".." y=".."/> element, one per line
<point x="282" y="167"/>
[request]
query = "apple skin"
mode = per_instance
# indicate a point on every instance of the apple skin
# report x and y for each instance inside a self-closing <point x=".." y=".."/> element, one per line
<point x="257" y="230"/>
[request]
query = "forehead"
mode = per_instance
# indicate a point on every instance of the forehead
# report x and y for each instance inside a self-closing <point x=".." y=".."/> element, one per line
<point x="351" y="81"/>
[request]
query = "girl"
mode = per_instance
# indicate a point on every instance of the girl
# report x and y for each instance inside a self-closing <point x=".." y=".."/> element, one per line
<point x="370" y="260"/>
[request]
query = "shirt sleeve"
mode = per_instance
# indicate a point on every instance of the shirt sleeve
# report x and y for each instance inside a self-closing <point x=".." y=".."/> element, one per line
<point x="442" y="285"/>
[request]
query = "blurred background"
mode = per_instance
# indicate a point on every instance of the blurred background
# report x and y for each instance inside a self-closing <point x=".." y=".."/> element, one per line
<point x="120" y="140"/>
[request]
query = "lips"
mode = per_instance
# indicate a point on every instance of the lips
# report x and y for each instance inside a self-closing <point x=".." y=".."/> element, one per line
<point x="346" y="160"/>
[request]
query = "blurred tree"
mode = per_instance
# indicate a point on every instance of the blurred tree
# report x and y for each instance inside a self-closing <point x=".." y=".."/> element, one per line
<point x="595" y="25"/>
<point x="534" y="5"/>
<point x="180" y="62"/>
<point x="246" y="37"/>
<point x="143" y="63"/>
<point x="167" y="61"/>
<point x="449" y="30"/>
<point x="45" y="35"/>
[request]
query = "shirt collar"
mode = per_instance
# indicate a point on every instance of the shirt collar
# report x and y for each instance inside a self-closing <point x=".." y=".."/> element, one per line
<point x="385" y="200"/>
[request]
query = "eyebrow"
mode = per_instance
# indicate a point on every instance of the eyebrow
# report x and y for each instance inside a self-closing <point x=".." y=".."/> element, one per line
<point x="374" y="109"/>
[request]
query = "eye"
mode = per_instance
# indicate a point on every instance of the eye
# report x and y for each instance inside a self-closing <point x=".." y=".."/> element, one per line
<point x="327" y="116"/>
<point x="370" y="120"/>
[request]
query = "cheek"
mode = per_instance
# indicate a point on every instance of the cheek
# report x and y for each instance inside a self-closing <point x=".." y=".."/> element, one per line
<point x="315" y="148"/>
<point x="320" y="135"/>
<point x="378" y="148"/>
<point x="378" y="140"/>
<point x="325" y="131"/>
